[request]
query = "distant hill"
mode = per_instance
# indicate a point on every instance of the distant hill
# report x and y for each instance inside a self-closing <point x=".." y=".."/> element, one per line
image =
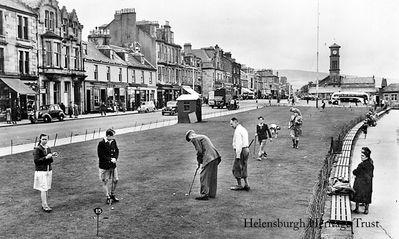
<point x="299" y="78"/>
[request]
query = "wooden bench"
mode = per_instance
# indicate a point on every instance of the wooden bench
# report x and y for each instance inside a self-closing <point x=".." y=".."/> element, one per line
<point x="346" y="154"/>
<point x="343" y="160"/>
<point x="342" y="173"/>
<point x="341" y="210"/>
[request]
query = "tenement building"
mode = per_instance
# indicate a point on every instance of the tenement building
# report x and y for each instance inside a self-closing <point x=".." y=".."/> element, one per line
<point x="18" y="61"/>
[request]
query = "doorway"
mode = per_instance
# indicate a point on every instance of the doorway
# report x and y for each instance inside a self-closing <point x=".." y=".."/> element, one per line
<point x="88" y="101"/>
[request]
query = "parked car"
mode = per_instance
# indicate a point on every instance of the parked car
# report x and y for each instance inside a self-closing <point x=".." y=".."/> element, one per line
<point x="309" y="97"/>
<point x="170" y="109"/>
<point x="47" y="113"/>
<point x="146" y="106"/>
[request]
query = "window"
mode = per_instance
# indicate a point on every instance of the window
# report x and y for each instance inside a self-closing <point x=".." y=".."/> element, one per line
<point x="142" y="77"/>
<point x="23" y="60"/>
<point x="57" y="54"/>
<point x="64" y="26"/>
<point x="159" y="73"/>
<point x="1" y="60"/>
<point x="108" y="73"/>
<point x="67" y="87"/>
<point x="49" y="53"/>
<point x="186" y="106"/>
<point x="46" y="18"/>
<point x="120" y="74"/>
<point x="133" y="76"/>
<point x="66" y="60"/>
<point x="1" y="23"/>
<point x="150" y="77"/>
<point x="51" y="21"/>
<point x="96" y="72"/>
<point x="76" y="58"/>
<point x="22" y="27"/>
<point x="394" y="97"/>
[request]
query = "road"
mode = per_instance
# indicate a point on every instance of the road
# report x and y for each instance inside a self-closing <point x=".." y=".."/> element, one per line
<point x="24" y="134"/>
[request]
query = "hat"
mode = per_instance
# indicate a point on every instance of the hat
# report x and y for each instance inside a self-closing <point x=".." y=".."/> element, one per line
<point x="366" y="151"/>
<point x="188" y="134"/>
<point x="110" y="132"/>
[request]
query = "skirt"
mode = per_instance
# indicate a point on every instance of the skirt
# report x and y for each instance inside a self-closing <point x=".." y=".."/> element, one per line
<point x="42" y="180"/>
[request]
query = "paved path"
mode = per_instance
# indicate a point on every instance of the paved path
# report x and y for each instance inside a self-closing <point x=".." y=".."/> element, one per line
<point x="383" y="141"/>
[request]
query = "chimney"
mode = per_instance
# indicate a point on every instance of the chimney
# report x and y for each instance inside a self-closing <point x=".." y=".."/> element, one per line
<point x="187" y="48"/>
<point x="383" y="82"/>
<point x="227" y="54"/>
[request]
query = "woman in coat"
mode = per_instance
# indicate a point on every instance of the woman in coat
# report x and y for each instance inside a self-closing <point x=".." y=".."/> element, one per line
<point x="363" y="184"/>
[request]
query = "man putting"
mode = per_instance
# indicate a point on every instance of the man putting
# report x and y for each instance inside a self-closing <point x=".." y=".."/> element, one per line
<point x="108" y="153"/>
<point x="241" y="151"/>
<point x="209" y="157"/>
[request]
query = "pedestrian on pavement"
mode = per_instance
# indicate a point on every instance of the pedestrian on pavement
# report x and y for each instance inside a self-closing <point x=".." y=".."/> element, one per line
<point x="43" y="157"/>
<point x="75" y="110"/>
<point x="323" y="104"/>
<point x="293" y="101"/>
<point x="364" y="127"/>
<point x="209" y="157"/>
<point x="295" y="126"/>
<point x="103" y="109"/>
<point x="108" y="153"/>
<point x="363" y="184"/>
<point x="241" y="151"/>
<point x="62" y="106"/>
<point x="70" y="109"/>
<point x="14" y="114"/>
<point x="263" y="133"/>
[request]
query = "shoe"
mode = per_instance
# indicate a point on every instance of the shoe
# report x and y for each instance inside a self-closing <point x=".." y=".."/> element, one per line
<point x="259" y="159"/>
<point x="47" y="209"/>
<point x="237" y="188"/>
<point x="246" y="188"/>
<point x="355" y="211"/>
<point x="203" y="197"/>
<point x="366" y="211"/>
<point x="108" y="201"/>
<point x="114" y="199"/>
<point x="264" y="155"/>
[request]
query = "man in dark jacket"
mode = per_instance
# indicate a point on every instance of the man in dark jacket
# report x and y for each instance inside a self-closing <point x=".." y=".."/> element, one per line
<point x="209" y="157"/>
<point x="108" y="153"/>
<point x="263" y="133"/>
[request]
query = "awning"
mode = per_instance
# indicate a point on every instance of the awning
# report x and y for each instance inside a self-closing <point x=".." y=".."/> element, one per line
<point x="18" y="86"/>
<point x="189" y="90"/>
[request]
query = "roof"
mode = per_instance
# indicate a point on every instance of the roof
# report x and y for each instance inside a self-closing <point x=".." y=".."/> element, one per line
<point x="17" y="5"/>
<point x="93" y="53"/>
<point x="131" y="60"/>
<point x="391" y="87"/>
<point x="334" y="45"/>
<point x="32" y="3"/>
<point x="187" y="97"/>
<point x="18" y="86"/>
<point x="201" y="54"/>
<point x="358" y="80"/>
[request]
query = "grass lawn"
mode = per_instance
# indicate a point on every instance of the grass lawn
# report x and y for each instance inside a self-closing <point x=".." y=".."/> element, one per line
<point x="157" y="163"/>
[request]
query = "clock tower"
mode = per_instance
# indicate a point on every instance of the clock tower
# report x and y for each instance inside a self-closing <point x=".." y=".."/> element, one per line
<point x="334" y="64"/>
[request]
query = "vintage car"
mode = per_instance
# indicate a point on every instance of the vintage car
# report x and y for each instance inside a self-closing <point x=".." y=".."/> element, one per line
<point x="170" y="109"/>
<point x="146" y="107"/>
<point x="47" y="113"/>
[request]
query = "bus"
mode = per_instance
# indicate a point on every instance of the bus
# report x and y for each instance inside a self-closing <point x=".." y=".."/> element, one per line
<point x="346" y="96"/>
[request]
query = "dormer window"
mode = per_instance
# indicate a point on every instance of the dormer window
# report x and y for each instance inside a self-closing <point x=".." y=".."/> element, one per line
<point x="49" y="20"/>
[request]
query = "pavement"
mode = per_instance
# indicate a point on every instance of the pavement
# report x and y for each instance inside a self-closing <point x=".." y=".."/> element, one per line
<point x="383" y="217"/>
<point x="83" y="116"/>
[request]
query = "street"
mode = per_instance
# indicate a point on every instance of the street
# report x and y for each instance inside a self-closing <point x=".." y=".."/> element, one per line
<point x="25" y="134"/>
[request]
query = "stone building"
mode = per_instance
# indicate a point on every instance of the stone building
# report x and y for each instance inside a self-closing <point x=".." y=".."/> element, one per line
<point x="335" y="82"/>
<point x="191" y="74"/>
<point x="269" y="84"/>
<point x="213" y="75"/>
<point x="18" y="61"/>
<point x="390" y="94"/>
<point x="232" y="71"/>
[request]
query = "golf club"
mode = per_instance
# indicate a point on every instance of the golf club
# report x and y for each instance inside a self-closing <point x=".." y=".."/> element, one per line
<point x="251" y="143"/>
<point x="112" y="189"/>
<point x="195" y="174"/>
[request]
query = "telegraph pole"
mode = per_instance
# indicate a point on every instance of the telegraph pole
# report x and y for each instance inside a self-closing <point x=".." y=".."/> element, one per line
<point x="317" y="55"/>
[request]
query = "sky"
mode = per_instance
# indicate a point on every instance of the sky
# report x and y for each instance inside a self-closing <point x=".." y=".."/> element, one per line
<point x="272" y="34"/>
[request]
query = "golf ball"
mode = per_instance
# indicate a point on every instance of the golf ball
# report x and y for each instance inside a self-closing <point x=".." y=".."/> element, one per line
<point x="186" y="194"/>
<point x="112" y="208"/>
<point x="174" y="194"/>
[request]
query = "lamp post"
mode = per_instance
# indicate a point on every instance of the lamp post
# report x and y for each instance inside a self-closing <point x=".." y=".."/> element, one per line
<point x="317" y="56"/>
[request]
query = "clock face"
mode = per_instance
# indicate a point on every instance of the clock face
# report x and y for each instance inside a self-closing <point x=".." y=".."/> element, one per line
<point x="334" y="52"/>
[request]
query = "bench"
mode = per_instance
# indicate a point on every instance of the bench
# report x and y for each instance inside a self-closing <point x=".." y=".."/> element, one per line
<point x="341" y="210"/>
<point x="342" y="173"/>
<point x="346" y="153"/>
<point x="343" y="160"/>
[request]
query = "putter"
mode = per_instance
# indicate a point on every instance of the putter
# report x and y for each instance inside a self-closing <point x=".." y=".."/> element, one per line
<point x="192" y="183"/>
<point x="110" y="201"/>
